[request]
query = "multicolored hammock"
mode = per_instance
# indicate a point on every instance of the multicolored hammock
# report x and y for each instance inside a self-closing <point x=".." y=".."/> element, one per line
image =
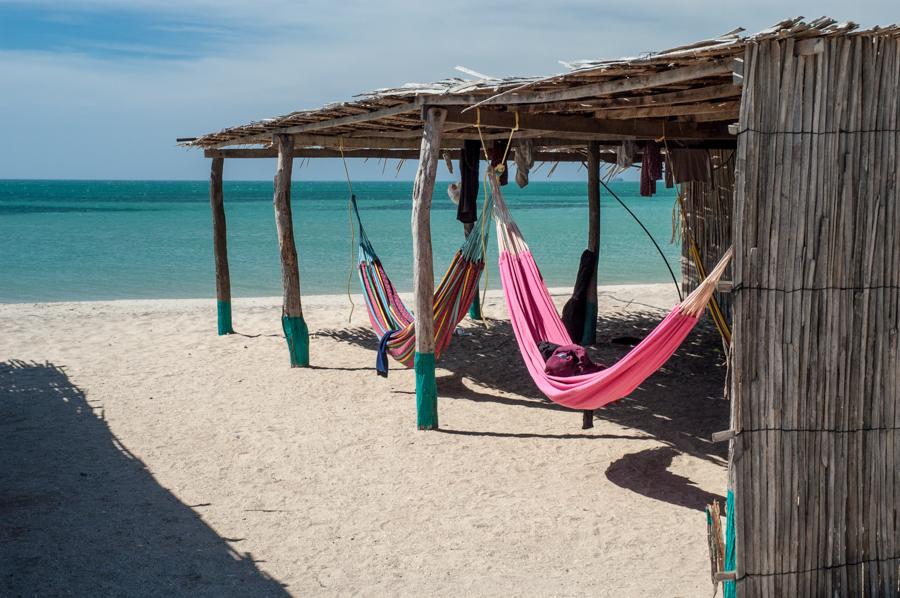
<point x="452" y="296"/>
<point x="534" y="319"/>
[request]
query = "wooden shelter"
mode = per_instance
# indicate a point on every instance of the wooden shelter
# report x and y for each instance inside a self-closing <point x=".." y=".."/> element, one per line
<point x="801" y="124"/>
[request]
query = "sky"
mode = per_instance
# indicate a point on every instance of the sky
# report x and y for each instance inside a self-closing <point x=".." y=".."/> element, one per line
<point x="100" y="89"/>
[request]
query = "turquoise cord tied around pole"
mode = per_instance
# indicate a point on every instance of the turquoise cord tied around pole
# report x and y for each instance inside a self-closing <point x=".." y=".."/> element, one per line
<point x="426" y="392"/>
<point x="297" y="335"/>
<point x="223" y="309"/>
<point x="475" y="307"/>
<point x="728" y="587"/>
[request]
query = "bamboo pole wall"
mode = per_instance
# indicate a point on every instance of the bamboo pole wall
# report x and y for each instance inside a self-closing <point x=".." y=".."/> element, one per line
<point x="816" y="457"/>
<point x="707" y="219"/>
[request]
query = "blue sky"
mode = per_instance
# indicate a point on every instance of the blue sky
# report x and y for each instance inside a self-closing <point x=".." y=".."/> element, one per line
<point x="101" y="88"/>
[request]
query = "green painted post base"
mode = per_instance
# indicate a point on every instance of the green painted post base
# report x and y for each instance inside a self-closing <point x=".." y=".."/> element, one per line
<point x="728" y="587"/>
<point x="426" y="392"/>
<point x="475" y="308"/>
<point x="223" y="308"/>
<point x="589" y="336"/>
<point x="297" y="335"/>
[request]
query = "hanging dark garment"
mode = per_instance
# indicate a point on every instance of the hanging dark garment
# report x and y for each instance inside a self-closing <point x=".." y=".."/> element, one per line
<point x="575" y="309"/>
<point x="651" y="168"/>
<point x="670" y="179"/>
<point x="496" y="153"/>
<point x="381" y="360"/>
<point x="469" y="164"/>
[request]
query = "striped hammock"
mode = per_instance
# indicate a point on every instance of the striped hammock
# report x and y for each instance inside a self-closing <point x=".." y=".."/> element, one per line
<point x="452" y="297"/>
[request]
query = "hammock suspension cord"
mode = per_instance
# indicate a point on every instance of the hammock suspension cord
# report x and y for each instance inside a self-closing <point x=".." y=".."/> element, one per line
<point x="351" y="203"/>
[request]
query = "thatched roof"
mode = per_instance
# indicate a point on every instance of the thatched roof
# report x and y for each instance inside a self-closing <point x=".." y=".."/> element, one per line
<point x="689" y="94"/>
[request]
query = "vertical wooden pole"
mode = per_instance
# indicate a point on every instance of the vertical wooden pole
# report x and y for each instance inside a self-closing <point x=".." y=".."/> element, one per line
<point x="295" y="330"/>
<point x="590" y="316"/>
<point x="220" y="247"/>
<point x="423" y="271"/>
<point x="475" y="308"/>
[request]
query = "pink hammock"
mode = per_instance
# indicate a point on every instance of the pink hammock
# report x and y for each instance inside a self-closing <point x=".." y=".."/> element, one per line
<point x="534" y="319"/>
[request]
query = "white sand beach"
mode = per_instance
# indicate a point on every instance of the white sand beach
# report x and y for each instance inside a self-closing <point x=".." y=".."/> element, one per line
<point x="148" y="455"/>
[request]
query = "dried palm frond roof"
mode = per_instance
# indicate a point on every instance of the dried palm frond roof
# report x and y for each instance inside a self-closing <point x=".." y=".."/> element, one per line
<point x="688" y="93"/>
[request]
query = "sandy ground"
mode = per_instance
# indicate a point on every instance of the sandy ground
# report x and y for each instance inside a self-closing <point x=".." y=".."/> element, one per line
<point x="141" y="454"/>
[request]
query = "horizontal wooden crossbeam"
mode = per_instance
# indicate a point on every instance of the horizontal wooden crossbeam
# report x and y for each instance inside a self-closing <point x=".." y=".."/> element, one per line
<point x="640" y="128"/>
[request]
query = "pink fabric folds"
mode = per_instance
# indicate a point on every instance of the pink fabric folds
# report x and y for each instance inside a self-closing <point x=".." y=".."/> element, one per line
<point x="534" y="319"/>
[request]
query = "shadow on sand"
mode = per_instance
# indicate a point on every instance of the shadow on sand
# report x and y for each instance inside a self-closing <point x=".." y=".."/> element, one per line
<point x="81" y="516"/>
<point x="647" y="473"/>
<point x="681" y="405"/>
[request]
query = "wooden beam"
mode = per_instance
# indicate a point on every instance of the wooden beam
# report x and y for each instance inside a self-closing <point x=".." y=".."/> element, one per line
<point x="641" y="128"/>
<point x="295" y="330"/>
<point x="715" y="68"/>
<point x="352" y="119"/>
<point x="719" y="117"/>
<point x="545" y="156"/>
<point x="672" y="110"/>
<point x="423" y="270"/>
<point x="698" y="94"/>
<point x="220" y="247"/>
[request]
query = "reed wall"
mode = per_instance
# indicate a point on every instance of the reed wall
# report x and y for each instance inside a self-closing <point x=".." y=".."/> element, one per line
<point x="816" y="457"/>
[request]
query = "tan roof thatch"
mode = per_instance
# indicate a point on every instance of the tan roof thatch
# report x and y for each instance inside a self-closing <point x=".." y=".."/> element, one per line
<point x="689" y="93"/>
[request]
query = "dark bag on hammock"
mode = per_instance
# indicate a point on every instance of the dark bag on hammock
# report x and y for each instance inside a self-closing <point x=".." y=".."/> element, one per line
<point x="570" y="360"/>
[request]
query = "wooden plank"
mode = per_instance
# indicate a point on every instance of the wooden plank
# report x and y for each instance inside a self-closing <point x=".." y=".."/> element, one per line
<point x="707" y="108"/>
<point x="641" y="128"/>
<point x="541" y="156"/>
<point x="698" y="94"/>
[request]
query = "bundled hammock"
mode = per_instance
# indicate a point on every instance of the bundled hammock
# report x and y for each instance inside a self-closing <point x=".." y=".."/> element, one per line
<point x="534" y="319"/>
<point x="391" y="319"/>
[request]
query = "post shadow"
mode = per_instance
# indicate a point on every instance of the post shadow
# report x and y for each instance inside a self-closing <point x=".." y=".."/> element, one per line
<point x="81" y="516"/>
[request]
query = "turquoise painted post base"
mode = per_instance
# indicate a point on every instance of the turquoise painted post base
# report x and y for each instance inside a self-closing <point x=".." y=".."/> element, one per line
<point x="426" y="392"/>
<point x="223" y="308"/>
<point x="728" y="587"/>
<point x="297" y="335"/>
<point x="589" y="336"/>
<point x="475" y="308"/>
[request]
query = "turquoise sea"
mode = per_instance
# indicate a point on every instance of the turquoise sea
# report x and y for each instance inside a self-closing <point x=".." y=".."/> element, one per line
<point x="89" y="240"/>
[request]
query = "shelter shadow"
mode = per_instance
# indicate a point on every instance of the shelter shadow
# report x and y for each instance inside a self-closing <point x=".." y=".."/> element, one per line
<point x="81" y="516"/>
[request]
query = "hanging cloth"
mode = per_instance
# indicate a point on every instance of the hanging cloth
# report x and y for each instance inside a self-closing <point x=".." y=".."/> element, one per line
<point x="469" y="163"/>
<point x="575" y="309"/>
<point x="524" y="160"/>
<point x="651" y="169"/>
<point x="625" y="154"/>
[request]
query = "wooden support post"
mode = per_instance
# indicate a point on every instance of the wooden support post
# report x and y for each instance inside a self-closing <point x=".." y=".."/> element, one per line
<point x="475" y="308"/>
<point x="593" y="167"/>
<point x="220" y="247"/>
<point x="423" y="271"/>
<point x="295" y="330"/>
<point x="589" y="337"/>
